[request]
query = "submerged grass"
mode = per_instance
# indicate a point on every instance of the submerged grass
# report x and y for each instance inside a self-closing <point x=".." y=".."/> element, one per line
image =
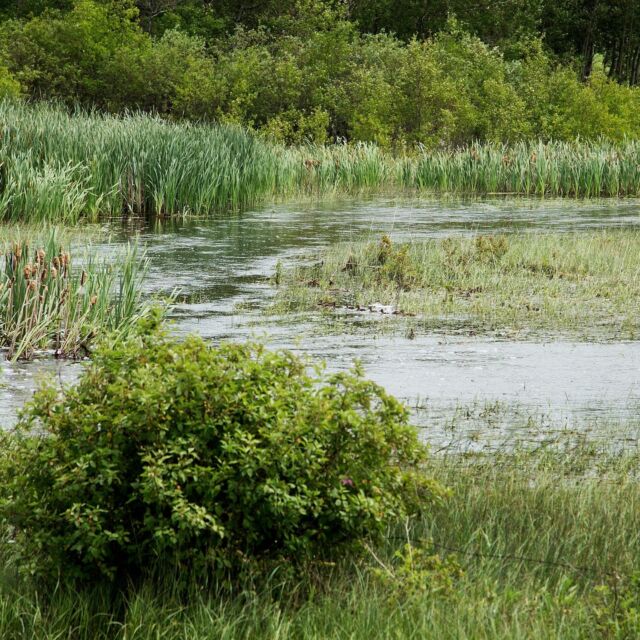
<point x="585" y="283"/>
<point x="55" y="165"/>
<point x="46" y="303"/>
<point x="530" y="544"/>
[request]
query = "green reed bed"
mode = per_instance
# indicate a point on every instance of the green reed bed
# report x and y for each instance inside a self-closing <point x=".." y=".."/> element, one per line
<point x="530" y="544"/>
<point x="46" y="303"/>
<point x="61" y="166"/>
<point x="585" y="283"/>
<point x="57" y="166"/>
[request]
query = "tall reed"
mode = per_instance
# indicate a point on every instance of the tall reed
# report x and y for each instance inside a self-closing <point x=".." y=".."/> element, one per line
<point x="55" y="165"/>
<point x="46" y="303"/>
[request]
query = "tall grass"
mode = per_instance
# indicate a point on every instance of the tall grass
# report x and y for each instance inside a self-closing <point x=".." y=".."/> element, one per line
<point x="46" y="303"/>
<point x="60" y="166"/>
<point x="548" y="543"/>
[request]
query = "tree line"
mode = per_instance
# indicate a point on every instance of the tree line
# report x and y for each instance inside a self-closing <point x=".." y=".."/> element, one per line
<point x="397" y="72"/>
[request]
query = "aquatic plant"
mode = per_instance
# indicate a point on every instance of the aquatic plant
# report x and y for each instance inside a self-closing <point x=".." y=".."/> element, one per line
<point x="586" y="283"/>
<point x="48" y="303"/>
<point x="60" y="166"/>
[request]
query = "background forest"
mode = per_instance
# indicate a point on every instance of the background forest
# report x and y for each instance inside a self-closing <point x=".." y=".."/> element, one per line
<point x="395" y="72"/>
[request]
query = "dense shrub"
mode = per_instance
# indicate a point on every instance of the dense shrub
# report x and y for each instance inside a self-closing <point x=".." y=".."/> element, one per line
<point x="206" y="458"/>
<point x="310" y="75"/>
<point x="9" y="86"/>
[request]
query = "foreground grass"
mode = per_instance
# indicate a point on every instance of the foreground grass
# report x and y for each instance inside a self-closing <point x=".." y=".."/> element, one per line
<point x="67" y="167"/>
<point x="547" y="542"/>
<point x="583" y="283"/>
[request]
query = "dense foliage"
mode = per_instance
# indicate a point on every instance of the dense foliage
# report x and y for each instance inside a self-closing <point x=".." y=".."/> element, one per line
<point x="207" y="458"/>
<point x="320" y="70"/>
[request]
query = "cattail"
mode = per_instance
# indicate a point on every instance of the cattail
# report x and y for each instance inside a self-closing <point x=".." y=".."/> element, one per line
<point x="83" y="278"/>
<point x="27" y="272"/>
<point x="40" y="256"/>
<point x="32" y="285"/>
<point x="93" y="300"/>
<point x="54" y="272"/>
<point x="56" y="262"/>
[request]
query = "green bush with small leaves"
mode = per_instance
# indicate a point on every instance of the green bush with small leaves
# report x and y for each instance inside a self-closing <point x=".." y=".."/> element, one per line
<point x="177" y="453"/>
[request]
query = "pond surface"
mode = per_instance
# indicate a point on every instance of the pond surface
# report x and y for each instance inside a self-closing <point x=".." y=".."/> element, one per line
<point x="222" y="269"/>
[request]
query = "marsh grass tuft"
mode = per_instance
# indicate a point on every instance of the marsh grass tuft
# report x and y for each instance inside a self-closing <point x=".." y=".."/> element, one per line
<point x="586" y="283"/>
<point x="46" y="303"/>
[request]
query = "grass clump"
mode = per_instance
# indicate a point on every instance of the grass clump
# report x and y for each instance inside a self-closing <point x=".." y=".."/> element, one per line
<point x="209" y="460"/>
<point x="587" y="284"/>
<point x="48" y="304"/>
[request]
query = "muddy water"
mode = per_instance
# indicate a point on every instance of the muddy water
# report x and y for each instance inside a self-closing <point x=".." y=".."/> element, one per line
<point x="222" y="269"/>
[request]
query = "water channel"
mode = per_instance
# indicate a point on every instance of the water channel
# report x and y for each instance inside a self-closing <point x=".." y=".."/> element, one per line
<point x="222" y="269"/>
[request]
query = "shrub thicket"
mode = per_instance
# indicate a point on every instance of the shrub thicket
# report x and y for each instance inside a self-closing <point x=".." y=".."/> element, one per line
<point x="205" y="458"/>
<point x="314" y="76"/>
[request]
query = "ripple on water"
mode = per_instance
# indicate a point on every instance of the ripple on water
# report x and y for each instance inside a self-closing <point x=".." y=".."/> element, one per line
<point x="223" y="264"/>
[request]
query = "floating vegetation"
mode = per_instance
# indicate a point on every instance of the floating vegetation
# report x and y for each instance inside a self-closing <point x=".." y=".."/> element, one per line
<point x="587" y="283"/>
<point x="48" y="304"/>
<point x="57" y="166"/>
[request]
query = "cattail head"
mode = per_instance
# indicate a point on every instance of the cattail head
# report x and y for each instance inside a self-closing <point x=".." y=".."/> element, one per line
<point x="40" y="256"/>
<point x="83" y="278"/>
<point x="54" y="272"/>
<point x="56" y="262"/>
<point x="27" y="272"/>
<point x="93" y="300"/>
<point x="32" y="285"/>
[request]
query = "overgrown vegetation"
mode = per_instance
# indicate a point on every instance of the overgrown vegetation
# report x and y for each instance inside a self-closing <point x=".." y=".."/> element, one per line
<point x="533" y="544"/>
<point x="206" y="460"/>
<point x="62" y="167"/>
<point x="335" y="70"/>
<point x="46" y="303"/>
<point x="583" y="283"/>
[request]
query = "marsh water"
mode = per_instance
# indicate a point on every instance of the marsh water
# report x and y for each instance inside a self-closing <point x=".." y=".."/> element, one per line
<point x="222" y="269"/>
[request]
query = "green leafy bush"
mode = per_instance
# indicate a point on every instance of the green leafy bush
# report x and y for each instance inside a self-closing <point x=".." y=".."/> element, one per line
<point x="327" y="81"/>
<point x="207" y="459"/>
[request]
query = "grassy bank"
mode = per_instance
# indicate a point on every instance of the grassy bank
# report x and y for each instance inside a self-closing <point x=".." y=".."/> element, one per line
<point x="584" y="283"/>
<point x="531" y="544"/>
<point x="67" y="167"/>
